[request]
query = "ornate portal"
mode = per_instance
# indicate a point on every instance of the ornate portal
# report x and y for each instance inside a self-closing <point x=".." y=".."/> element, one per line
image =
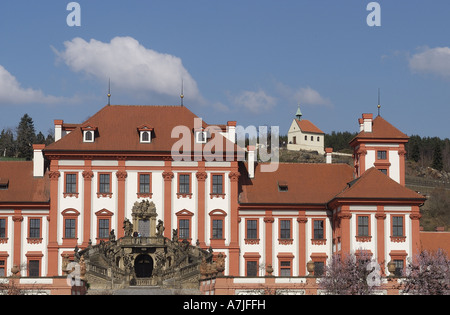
<point x="143" y="256"/>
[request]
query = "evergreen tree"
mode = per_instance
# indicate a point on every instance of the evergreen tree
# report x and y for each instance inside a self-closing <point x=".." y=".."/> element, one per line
<point x="40" y="138"/>
<point x="7" y="144"/>
<point x="437" y="158"/>
<point x="26" y="136"/>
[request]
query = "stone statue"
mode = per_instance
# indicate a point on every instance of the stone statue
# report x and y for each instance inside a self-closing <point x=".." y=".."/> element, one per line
<point x="175" y="235"/>
<point x="112" y="236"/>
<point x="128" y="227"/>
<point x="160" y="228"/>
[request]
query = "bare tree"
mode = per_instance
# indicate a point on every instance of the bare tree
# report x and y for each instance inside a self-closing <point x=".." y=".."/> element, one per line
<point x="350" y="274"/>
<point x="428" y="274"/>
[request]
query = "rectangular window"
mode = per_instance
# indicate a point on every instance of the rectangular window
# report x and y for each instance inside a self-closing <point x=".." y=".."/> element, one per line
<point x="144" y="183"/>
<point x="103" y="228"/>
<point x="217" y="229"/>
<point x="398" y="267"/>
<point x="252" y="268"/>
<point x="363" y="226"/>
<point x="184" y="229"/>
<point x="217" y="184"/>
<point x="70" y="229"/>
<point x="285" y="268"/>
<point x="318" y="229"/>
<point x="318" y="268"/>
<point x="71" y="183"/>
<point x="2" y="268"/>
<point x="35" y="228"/>
<point x="185" y="184"/>
<point x="33" y="268"/>
<point x="104" y="186"/>
<point x="381" y="155"/>
<point x="285" y="229"/>
<point x="2" y="228"/>
<point x="252" y="231"/>
<point x="397" y="226"/>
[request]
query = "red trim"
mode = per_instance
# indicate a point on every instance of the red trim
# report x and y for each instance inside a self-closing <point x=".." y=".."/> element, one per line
<point x="4" y="240"/>
<point x="248" y="257"/>
<point x="185" y="215"/>
<point x="285" y="257"/>
<point x="219" y="215"/>
<point x="70" y="214"/>
<point x="251" y="241"/>
<point x="34" y="256"/>
<point x="70" y="194"/>
<point x="103" y="214"/>
<point x="220" y="194"/>
<point x="104" y="194"/>
<point x="140" y="194"/>
<point x="285" y="241"/>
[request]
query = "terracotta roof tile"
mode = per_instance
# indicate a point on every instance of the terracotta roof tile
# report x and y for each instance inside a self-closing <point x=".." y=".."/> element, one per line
<point x="22" y="186"/>
<point x="381" y="129"/>
<point x="307" y="126"/>
<point x="307" y="183"/>
<point x="117" y="129"/>
<point x="373" y="184"/>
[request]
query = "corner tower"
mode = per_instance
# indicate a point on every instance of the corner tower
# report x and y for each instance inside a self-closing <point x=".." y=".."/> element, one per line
<point x="379" y="144"/>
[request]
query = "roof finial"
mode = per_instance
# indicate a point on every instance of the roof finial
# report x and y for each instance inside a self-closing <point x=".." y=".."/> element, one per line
<point x="299" y="113"/>
<point x="182" y="95"/>
<point x="379" y="104"/>
<point x="109" y="92"/>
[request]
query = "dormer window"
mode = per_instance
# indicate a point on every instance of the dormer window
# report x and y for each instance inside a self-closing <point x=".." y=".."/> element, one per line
<point x="282" y="186"/>
<point x="145" y="134"/>
<point x="4" y="183"/>
<point x="201" y="136"/>
<point x="88" y="132"/>
<point x="88" y="136"/>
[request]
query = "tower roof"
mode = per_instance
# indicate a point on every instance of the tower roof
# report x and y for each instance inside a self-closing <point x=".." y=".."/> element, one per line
<point x="298" y="114"/>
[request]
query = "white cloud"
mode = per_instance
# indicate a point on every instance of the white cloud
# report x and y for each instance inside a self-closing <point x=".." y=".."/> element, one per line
<point x="302" y="95"/>
<point x="130" y="66"/>
<point x="432" y="60"/>
<point x="11" y="92"/>
<point x="255" y="102"/>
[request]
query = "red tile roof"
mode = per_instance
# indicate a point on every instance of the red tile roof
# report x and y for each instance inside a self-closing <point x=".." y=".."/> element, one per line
<point x="117" y="130"/>
<point x="373" y="184"/>
<point x="22" y="186"/>
<point x="381" y="129"/>
<point x="433" y="241"/>
<point x="307" y="184"/>
<point x="307" y="126"/>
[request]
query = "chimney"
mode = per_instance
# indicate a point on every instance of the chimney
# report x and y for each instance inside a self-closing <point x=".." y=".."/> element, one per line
<point x="38" y="160"/>
<point x="251" y="161"/>
<point x="328" y="155"/>
<point x="367" y="122"/>
<point x="361" y="124"/>
<point x="231" y="126"/>
<point x="58" y="129"/>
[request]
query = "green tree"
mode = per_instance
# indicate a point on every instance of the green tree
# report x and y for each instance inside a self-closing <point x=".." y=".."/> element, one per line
<point x="26" y="137"/>
<point x="7" y="143"/>
<point x="437" y="158"/>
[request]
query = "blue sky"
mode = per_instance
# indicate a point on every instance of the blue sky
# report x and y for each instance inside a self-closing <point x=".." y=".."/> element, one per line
<point x="252" y="61"/>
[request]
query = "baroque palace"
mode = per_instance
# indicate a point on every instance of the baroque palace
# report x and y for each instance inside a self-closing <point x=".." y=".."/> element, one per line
<point x="110" y="195"/>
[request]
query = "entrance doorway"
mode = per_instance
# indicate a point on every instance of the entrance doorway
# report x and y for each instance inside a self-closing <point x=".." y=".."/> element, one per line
<point x="143" y="266"/>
